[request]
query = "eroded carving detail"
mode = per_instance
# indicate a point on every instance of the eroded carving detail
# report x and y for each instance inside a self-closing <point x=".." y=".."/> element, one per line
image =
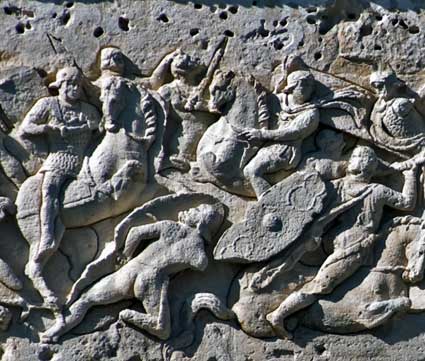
<point x="300" y="173"/>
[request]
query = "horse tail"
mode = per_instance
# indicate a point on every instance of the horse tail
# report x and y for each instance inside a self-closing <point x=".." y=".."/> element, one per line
<point x="209" y="302"/>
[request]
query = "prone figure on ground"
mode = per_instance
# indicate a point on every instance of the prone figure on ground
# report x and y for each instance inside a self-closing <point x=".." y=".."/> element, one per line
<point x="174" y="247"/>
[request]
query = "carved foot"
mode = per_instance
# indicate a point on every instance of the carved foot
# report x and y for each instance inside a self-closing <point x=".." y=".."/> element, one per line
<point x="48" y="339"/>
<point x="278" y="326"/>
<point x="52" y="334"/>
<point x="180" y="163"/>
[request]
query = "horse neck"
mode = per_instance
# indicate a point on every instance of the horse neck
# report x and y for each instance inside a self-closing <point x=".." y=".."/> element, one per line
<point x="394" y="248"/>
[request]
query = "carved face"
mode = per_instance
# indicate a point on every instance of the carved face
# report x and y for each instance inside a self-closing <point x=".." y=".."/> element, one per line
<point x="69" y="84"/>
<point x="363" y="162"/>
<point x="300" y="86"/>
<point x="385" y="84"/>
<point x="183" y="65"/>
<point x="112" y="59"/>
<point x="205" y="217"/>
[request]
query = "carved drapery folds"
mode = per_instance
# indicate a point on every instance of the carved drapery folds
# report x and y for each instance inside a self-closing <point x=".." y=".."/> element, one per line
<point x="312" y="192"/>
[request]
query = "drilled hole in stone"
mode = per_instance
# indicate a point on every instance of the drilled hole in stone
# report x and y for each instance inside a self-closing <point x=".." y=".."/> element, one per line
<point x="394" y="21"/>
<point x="320" y="348"/>
<point x="204" y="44"/>
<point x="229" y="33"/>
<point x="20" y="28"/>
<point x="193" y="31"/>
<point x="197" y="6"/>
<point x="278" y="45"/>
<point x="311" y="9"/>
<point x="403" y="24"/>
<point x="283" y="22"/>
<point x="320" y="39"/>
<point x="163" y="18"/>
<point x="233" y="9"/>
<point x="28" y="25"/>
<point x="311" y="20"/>
<point x="123" y="23"/>
<point x="377" y="47"/>
<point x="8" y="10"/>
<point x="98" y="32"/>
<point x="413" y="29"/>
<point x="301" y="44"/>
<point x="317" y="55"/>
<point x="365" y="30"/>
<point x="65" y="17"/>
<point x="41" y="72"/>
<point x="378" y="17"/>
<point x="69" y="4"/>
<point x="54" y="15"/>
<point x="275" y="23"/>
<point x="223" y="15"/>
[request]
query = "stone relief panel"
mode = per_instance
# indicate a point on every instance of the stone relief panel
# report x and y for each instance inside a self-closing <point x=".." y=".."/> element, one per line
<point x="206" y="193"/>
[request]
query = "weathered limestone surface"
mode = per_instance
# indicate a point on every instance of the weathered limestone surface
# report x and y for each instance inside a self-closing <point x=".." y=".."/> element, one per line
<point x="212" y="180"/>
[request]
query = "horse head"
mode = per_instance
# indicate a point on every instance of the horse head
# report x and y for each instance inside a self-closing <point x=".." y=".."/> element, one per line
<point x="415" y="254"/>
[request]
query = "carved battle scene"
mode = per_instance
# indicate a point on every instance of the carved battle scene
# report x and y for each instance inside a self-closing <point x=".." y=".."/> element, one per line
<point x="271" y="202"/>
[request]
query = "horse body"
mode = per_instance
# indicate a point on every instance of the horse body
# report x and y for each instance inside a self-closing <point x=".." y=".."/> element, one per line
<point x="221" y="154"/>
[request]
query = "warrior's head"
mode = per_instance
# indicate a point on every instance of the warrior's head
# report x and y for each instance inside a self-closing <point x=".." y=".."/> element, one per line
<point x="183" y="65"/>
<point x="363" y="163"/>
<point x="300" y="86"/>
<point x="69" y="83"/>
<point x="385" y="83"/>
<point x="112" y="60"/>
<point x="206" y="218"/>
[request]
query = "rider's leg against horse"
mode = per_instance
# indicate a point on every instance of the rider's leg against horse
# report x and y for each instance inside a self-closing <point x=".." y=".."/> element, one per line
<point x="49" y="211"/>
<point x="254" y="172"/>
<point x="41" y="251"/>
<point x="152" y="291"/>
<point x="268" y="160"/>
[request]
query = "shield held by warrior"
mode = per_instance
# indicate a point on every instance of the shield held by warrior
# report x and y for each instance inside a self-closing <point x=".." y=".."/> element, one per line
<point x="276" y="221"/>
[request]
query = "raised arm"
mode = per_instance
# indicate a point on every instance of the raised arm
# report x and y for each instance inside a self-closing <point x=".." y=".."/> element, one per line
<point x="406" y="200"/>
<point x="159" y="75"/>
<point x="138" y="234"/>
<point x="34" y="122"/>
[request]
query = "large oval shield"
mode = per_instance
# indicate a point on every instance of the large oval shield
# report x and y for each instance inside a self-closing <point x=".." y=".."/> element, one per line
<point x="275" y="221"/>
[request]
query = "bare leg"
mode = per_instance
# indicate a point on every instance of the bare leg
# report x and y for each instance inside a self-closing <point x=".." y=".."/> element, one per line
<point x="293" y="303"/>
<point x="335" y="270"/>
<point x="268" y="160"/>
<point x="51" y="234"/>
<point x="153" y="292"/>
<point x="111" y="289"/>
